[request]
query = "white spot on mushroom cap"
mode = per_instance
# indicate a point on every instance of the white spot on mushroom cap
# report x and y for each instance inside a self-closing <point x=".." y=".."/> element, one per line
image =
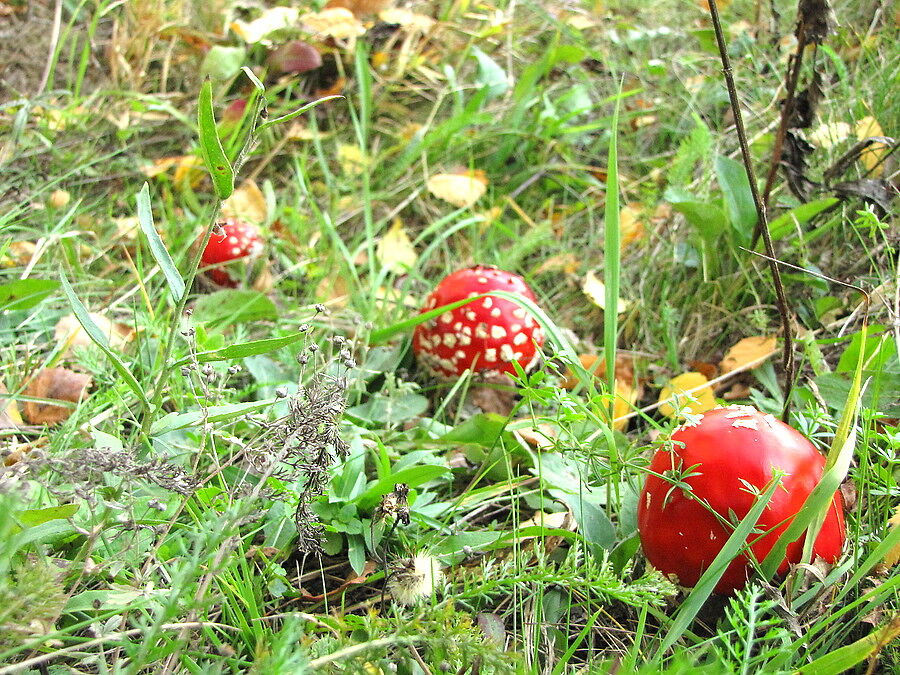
<point x="496" y="312"/>
<point x="520" y="339"/>
<point x="498" y="332"/>
<point x="488" y="303"/>
<point x="490" y="355"/>
<point x="506" y="352"/>
<point x="519" y="313"/>
<point x="446" y="317"/>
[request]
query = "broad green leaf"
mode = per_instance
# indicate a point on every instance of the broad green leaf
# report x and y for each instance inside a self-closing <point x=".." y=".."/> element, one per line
<point x="490" y="74"/>
<point x="214" y="156"/>
<point x="784" y="225"/>
<point x="222" y="62"/>
<point x="244" y="349"/>
<point x="25" y="293"/>
<point x="157" y="247"/>
<point x="234" y="306"/>
<point x="738" y="198"/>
<point x="707" y="218"/>
<point x="413" y="477"/>
<point x="100" y="339"/>
<point x="217" y="413"/>
<point x="33" y="517"/>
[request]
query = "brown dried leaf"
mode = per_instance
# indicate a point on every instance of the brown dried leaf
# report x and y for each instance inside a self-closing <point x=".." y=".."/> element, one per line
<point x="494" y="393"/>
<point x="60" y="384"/>
<point x="747" y="351"/>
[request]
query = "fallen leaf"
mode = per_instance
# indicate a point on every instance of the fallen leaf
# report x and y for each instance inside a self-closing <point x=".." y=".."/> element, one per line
<point x="460" y="189"/>
<point x="738" y="391"/>
<point x="494" y="393"/>
<point x="352" y="160"/>
<point x="893" y="556"/>
<point x="9" y="411"/>
<point x="395" y="250"/>
<point x="567" y="263"/>
<point x="359" y="7"/>
<point x="866" y="128"/>
<point x="271" y="20"/>
<point x="631" y="228"/>
<point x="59" y="199"/>
<point x="680" y="387"/>
<point x="188" y="167"/>
<point x="337" y="22"/>
<point x="247" y="203"/>
<point x="595" y="290"/>
<point x="60" y="384"/>
<point x="747" y="351"/>
<point x="69" y="333"/>
<point x="127" y="227"/>
<point x="627" y="393"/>
<point x="705" y="368"/>
<point x="829" y="134"/>
<point x="542" y="436"/>
<point x="18" y="254"/>
<point x="406" y="19"/>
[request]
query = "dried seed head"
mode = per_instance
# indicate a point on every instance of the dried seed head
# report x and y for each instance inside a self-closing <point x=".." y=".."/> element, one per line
<point x="415" y="579"/>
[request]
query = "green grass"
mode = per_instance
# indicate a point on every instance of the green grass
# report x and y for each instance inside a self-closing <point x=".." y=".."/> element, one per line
<point x="163" y="526"/>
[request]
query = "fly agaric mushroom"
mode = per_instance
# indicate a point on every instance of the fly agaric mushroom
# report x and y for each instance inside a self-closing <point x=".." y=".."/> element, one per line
<point x="233" y="240"/>
<point x="487" y="334"/>
<point x="719" y="457"/>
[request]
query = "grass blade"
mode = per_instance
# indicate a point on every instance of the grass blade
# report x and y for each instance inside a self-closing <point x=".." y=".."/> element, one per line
<point x="157" y="247"/>
<point x="97" y="336"/>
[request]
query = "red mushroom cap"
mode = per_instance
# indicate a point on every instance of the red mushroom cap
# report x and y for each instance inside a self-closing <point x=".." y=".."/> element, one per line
<point x="487" y="334"/>
<point x="730" y="445"/>
<point x="236" y="240"/>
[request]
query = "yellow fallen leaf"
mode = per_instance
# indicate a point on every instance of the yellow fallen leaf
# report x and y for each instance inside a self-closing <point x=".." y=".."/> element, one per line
<point x="395" y="249"/>
<point x="631" y="228"/>
<point x="750" y="349"/>
<point x="866" y="128"/>
<point x="272" y="19"/>
<point x="247" y="203"/>
<point x="829" y="134"/>
<point x="680" y="387"/>
<point x="69" y="333"/>
<point x="626" y="397"/>
<point x="406" y="19"/>
<point x="337" y="22"/>
<point x="893" y="556"/>
<point x="595" y="290"/>
<point x="186" y="166"/>
<point x="459" y="189"/>
<point x="17" y="254"/>
<point x="10" y="417"/>
<point x="352" y="159"/>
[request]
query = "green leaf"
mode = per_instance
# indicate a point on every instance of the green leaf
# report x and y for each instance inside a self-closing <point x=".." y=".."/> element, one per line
<point x="25" y="293"/>
<point x="844" y="659"/>
<point x="234" y="306"/>
<point x="214" y="156"/>
<point x="33" y="517"/>
<point x="387" y="410"/>
<point x="295" y="113"/>
<point x="244" y="349"/>
<point x="490" y="75"/>
<point x="99" y="338"/>
<point x="785" y="224"/>
<point x="707" y="218"/>
<point x="222" y="63"/>
<point x="217" y="413"/>
<point x="157" y="247"/>
<point x="413" y="477"/>
<point x="738" y="197"/>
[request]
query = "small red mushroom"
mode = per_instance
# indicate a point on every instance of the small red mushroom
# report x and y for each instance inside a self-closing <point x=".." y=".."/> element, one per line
<point x="233" y="240"/>
<point x="719" y="456"/>
<point x="485" y="335"/>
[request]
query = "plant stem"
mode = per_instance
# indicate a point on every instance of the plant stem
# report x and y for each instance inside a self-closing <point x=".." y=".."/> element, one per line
<point x="762" y="221"/>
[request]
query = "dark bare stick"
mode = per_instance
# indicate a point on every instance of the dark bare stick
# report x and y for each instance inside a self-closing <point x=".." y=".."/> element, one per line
<point x="762" y="222"/>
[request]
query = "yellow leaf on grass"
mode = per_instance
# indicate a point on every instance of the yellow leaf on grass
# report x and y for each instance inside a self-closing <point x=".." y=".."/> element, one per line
<point x="694" y="402"/>
<point x="69" y="333"/>
<point x="460" y="189"/>
<point x="337" y="22"/>
<point x="247" y="203"/>
<point x="829" y="134"/>
<point x="406" y="19"/>
<point x="631" y="228"/>
<point x="10" y="418"/>
<point x="893" y="556"/>
<point x="866" y="128"/>
<point x="595" y="290"/>
<point x="748" y="350"/>
<point x="395" y="249"/>
<point x="271" y="19"/>
<point x="352" y="159"/>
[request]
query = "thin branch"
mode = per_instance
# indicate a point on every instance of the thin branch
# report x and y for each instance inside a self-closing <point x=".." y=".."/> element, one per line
<point x="762" y="221"/>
